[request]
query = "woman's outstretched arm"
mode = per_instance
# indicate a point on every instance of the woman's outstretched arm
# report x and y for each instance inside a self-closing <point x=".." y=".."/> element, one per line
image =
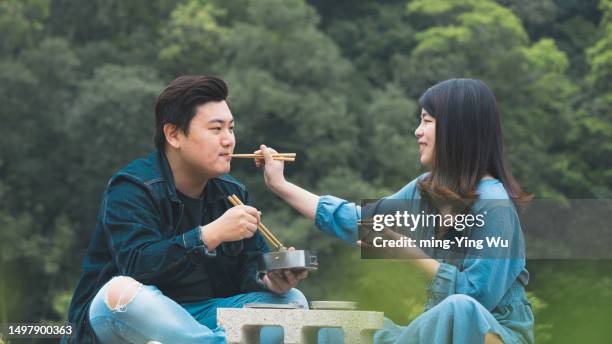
<point x="304" y="201"/>
<point x="330" y="214"/>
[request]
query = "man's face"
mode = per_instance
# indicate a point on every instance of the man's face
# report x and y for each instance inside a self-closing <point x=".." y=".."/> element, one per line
<point x="206" y="148"/>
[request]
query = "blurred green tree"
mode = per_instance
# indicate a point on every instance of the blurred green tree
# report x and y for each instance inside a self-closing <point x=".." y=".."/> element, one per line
<point x="21" y="24"/>
<point x="481" y="39"/>
<point x="109" y="124"/>
<point x="335" y="82"/>
<point x="590" y="138"/>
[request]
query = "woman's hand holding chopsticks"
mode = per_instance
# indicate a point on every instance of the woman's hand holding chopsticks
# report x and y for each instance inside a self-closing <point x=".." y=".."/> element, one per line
<point x="300" y="199"/>
<point x="274" y="169"/>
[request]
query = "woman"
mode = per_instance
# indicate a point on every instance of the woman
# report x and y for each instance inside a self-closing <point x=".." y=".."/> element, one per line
<point x="474" y="299"/>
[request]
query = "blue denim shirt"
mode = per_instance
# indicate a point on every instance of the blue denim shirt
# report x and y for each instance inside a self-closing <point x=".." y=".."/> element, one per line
<point x="498" y="284"/>
<point x="137" y="235"/>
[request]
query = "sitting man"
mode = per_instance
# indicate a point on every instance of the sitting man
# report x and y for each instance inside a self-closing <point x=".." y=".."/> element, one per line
<point x="169" y="248"/>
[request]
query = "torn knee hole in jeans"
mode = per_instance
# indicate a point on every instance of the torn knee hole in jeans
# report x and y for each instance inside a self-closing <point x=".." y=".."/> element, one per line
<point x="120" y="292"/>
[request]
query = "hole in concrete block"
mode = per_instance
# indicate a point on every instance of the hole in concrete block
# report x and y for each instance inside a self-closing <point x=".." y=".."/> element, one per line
<point x="272" y="334"/>
<point x="331" y="335"/>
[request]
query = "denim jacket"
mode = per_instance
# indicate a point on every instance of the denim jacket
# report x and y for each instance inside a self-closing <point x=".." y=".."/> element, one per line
<point x="137" y="235"/>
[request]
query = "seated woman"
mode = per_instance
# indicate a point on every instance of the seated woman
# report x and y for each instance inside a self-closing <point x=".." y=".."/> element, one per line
<point x="475" y="299"/>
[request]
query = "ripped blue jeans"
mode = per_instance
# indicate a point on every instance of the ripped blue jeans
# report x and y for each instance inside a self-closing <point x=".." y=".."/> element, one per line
<point x="151" y="316"/>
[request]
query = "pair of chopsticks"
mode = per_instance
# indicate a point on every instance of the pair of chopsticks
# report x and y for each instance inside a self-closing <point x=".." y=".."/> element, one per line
<point x="275" y="156"/>
<point x="235" y="201"/>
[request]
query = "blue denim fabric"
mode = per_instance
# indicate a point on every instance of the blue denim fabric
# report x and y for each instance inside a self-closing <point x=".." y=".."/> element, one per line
<point x="137" y="235"/>
<point x="151" y="316"/>
<point x="467" y="297"/>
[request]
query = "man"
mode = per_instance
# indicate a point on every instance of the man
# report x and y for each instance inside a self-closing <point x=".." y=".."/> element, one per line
<point x="166" y="230"/>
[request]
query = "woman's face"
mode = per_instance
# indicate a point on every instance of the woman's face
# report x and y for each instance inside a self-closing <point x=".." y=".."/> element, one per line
<point x="426" y="138"/>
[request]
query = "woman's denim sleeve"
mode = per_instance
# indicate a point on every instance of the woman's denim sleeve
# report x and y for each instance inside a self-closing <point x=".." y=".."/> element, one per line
<point x="485" y="279"/>
<point x="338" y="217"/>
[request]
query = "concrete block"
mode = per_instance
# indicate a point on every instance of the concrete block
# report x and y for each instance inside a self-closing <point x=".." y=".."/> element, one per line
<point x="300" y="326"/>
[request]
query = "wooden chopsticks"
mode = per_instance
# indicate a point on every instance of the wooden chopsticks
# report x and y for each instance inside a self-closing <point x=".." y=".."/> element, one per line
<point x="275" y="156"/>
<point x="235" y="201"/>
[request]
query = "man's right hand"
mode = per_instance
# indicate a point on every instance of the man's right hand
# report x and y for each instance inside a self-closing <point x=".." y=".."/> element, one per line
<point x="235" y="224"/>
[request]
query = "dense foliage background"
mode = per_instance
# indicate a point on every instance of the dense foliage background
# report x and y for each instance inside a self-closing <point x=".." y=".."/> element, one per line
<point x="334" y="81"/>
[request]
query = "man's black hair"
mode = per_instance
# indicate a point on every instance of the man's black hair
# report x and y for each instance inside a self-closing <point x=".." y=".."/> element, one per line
<point x="178" y="102"/>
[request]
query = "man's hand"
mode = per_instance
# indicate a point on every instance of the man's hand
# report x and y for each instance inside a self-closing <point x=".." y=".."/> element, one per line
<point x="281" y="281"/>
<point x="235" y="224"/>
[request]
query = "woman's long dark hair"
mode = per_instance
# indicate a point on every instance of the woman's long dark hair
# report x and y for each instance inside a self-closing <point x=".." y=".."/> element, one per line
<point x="469" y="144"/>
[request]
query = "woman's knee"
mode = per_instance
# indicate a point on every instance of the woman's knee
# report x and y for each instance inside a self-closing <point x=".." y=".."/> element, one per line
<point x="460" y="300"/>
<point x="120" y="291"/>
<point x="459" y="304"/>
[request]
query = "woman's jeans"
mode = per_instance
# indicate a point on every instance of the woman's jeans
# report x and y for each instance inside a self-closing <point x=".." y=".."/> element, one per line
<point x="151" y="316"/>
